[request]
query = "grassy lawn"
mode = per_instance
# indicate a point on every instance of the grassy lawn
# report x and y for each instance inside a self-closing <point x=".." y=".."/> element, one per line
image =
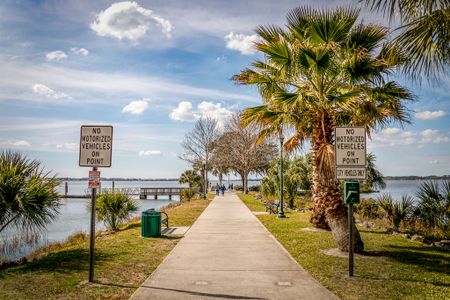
<point x="252" y="203"/>
<point x="395" y="267"/>
<point x="123" y="261"/>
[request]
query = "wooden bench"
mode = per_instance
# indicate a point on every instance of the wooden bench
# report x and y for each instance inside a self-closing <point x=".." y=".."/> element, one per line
<point x="272" y="207"/>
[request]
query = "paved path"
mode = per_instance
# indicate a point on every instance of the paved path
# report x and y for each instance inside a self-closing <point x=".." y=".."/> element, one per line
<point x="228" y="254"/>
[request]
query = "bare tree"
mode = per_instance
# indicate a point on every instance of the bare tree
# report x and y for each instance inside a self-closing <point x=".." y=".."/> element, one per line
<point x="238" y="151"/>
<point x="198" y="145"/>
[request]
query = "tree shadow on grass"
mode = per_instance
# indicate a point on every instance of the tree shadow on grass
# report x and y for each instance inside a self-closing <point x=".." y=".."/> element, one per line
<point x="63" y="261"/>
<point x="430" y="259"/>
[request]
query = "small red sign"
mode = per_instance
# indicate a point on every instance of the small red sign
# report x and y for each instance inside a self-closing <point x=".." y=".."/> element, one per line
<point x="94" y="179"/>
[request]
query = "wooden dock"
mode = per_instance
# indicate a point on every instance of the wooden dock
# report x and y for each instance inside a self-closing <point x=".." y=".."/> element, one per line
<point x="155" y="192"/>
<point x="143" y="193"/>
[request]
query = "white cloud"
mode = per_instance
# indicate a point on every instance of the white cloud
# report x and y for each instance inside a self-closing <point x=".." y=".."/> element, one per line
<point x="430" y="115"/>
<point x="441" y="139"/>
<point x="150" y="153"/>
<point x="55" y="55"/>
<point x="16" y="77"/>
<point x="68" y="146"/>
<point x="242" y="43"/>
<point x="391" y="131"/>
<point x="428" y="132"/>
<point x="183" y="112"/>
<point x="215" y="111"/>
<point x="136" y="107"/>
<point x="79" y="51"/>
<point x="21" y="143"/>
<point x="128" y="20"/>
<point x="392" y="137"/>
<point x="47" y="92"/>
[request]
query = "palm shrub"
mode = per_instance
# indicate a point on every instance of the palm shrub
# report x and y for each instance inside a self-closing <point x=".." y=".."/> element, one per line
<point x="297" y="175"/>
<point x="114" y="208"/>
<point x="187" y="194"/>
<point x="368" y="209"/>
<point x="434" y="206"/>
<point x="28" y="195"/>
<point x="396" y="212"/>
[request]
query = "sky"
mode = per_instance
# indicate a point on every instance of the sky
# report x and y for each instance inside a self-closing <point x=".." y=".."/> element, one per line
<point x="151" y="69"/>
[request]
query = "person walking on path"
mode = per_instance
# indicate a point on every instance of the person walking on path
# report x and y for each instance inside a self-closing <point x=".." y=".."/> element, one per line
<point x="222" y="189"/>
<point x="217" y="189"/>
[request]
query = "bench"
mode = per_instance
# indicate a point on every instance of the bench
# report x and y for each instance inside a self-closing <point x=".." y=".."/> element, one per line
<point x="272" y="207"/>
<point x="165" y="219"/>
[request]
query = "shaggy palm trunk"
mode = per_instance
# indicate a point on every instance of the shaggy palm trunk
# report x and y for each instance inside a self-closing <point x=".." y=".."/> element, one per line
<point x="329" y="210"/>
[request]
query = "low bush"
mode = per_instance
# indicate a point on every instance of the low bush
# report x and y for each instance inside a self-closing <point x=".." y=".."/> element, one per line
<point x="396" y="212"/>
<point x="254" y="188"/>
<point x="368" y="209"/>
<point x="238" y="187"/>
<point x="187" y="194"/>
<point x="114" y="209"/>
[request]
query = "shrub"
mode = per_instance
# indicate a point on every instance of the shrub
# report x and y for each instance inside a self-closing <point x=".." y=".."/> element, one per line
<point x="433" y="209"/>
<point x="396" y="212"/>
<point x="254" y="188"/>
<point x="187" y="194"/>
<point x="238" y="187"/>
<point x="368" y="209"/>
<point x="114" y="208"/>
<point x="28" y="196"/>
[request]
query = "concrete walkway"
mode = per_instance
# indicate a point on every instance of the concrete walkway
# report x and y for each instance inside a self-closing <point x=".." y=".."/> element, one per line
<point x="228" y="254"/>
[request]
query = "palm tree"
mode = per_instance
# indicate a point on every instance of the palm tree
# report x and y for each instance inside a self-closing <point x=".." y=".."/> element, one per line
<point x="424" y="34"/>
<point x="322" y="71"/>
<point x="190" y="177"/>
<point x="28" y="196"/>
<point x="375" y="179"/>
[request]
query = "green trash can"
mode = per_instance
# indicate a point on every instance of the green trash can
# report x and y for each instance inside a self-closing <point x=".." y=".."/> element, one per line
<point x="151" y="223"/>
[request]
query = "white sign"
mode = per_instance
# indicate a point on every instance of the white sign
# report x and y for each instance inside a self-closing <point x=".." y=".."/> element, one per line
<point x="350" y="152"/>
<point x="96" y="146"/>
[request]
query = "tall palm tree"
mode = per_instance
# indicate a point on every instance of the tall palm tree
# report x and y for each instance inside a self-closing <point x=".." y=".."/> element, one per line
<point x="323" y="71"/>
<point x="424" y="33"/>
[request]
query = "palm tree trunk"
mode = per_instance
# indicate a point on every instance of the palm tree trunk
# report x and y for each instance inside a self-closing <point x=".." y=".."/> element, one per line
<point x="329" y="210"/>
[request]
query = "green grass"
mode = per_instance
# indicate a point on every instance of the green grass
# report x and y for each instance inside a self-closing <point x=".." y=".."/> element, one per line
<point x="252" y="203"/>
<point x="396" y="268"/>
<point x="123" y="261"/>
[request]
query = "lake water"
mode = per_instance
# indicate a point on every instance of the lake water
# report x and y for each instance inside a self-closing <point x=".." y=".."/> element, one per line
<point x="397" y="189"/>
<point x="74" y="215"/>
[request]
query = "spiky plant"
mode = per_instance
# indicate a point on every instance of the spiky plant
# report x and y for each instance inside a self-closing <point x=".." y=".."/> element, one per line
<point x="28" y="194"/>
<point x="434" y="205"/>
<point x="114" y="208"/>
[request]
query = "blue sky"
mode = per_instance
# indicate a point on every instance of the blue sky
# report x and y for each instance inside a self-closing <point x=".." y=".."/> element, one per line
<point x="150" y="69"/>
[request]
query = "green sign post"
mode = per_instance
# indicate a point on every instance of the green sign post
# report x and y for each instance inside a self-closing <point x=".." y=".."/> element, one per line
<point x="351" y="196"/>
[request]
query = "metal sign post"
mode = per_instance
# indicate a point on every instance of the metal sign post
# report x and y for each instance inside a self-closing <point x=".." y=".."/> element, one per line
<point x="350" y="160"/>
<point x="92" y="232"/>
<point x="95" y="151"/>
<point x="351" y="196"/>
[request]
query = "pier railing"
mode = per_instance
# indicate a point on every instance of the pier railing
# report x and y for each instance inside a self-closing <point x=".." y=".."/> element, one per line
<point x="155" y="192"/>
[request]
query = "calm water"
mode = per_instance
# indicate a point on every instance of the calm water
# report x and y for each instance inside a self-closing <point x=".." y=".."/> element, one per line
<point x="398" y="188"/>
<point x="75" y="217"/>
